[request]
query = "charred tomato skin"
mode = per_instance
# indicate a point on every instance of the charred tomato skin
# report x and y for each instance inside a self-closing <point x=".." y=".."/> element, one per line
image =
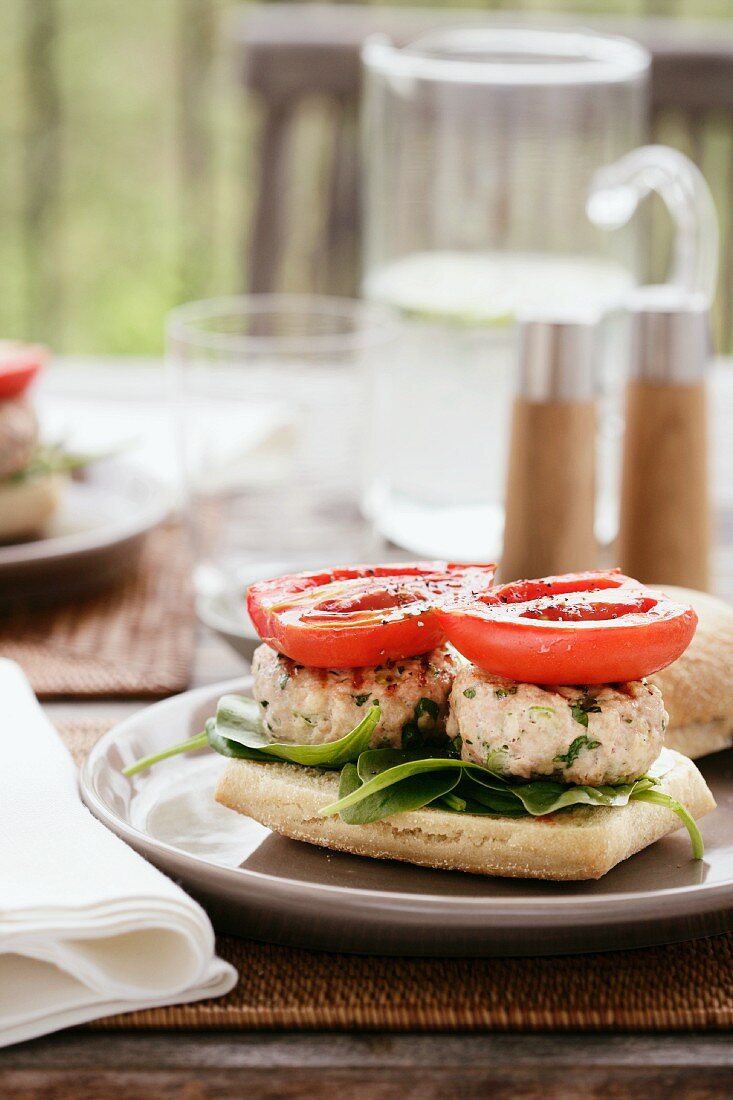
<point x="580" y="628"/>
<point x="363" y="615"/>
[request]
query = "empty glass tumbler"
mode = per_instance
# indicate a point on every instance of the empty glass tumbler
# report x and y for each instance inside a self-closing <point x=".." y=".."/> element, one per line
<point x="272" y="400"/>
<point x="480" y="148"/>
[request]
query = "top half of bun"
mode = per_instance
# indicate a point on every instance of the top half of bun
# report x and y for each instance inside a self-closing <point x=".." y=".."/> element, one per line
<point x="698" y="686"/>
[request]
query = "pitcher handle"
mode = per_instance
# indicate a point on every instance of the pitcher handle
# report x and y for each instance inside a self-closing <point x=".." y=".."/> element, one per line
<point x="617" y="189"/>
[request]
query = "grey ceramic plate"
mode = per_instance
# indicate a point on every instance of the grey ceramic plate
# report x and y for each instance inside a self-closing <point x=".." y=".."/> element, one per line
<point x="94" y="540"/>
<point x="263" y="886"/>
<point x="225" y="613"/>
<point x="225" y="610"/>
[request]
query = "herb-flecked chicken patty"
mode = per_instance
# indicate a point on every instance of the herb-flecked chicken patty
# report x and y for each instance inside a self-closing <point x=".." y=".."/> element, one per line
<point x="311" y="706"/>
<point x="603" y="734"/>
<point x="18" y="435"/>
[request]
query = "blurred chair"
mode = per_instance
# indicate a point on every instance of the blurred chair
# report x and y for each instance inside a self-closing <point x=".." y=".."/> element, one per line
<point x="299" y="57"/>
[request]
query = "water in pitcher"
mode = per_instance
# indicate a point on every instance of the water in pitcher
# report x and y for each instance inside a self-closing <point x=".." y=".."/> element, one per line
<point x="444" y="406"/>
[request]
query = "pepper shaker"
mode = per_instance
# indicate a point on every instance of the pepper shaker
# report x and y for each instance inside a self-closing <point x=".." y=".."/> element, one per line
<point x="550" y="494"/>
<point x="664" y="534"/>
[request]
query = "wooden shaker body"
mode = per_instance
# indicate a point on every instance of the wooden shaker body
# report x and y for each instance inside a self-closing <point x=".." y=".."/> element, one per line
<point x="551" y="486"/>
<point x="664" y="535"/>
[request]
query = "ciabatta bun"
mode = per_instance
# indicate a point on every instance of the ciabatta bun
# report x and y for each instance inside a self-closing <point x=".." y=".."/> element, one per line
<point x="27" y="507"/>
<point x="581" y="843"/>
<point x="698" y="688"/>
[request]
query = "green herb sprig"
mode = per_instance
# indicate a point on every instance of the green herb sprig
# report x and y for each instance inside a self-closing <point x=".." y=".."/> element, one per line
<point x="574" y="750"/>
<point x="581" y="708"/>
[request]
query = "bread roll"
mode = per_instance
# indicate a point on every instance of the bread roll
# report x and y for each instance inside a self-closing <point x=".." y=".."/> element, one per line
<point x="698" y="687"/>
<point x="28" y="506"/>
<point x="581" y="843"/>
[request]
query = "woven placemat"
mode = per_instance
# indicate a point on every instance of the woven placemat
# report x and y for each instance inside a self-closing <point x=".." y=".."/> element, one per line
<point x="133" y="640"/>
<point x="675" y="988"/>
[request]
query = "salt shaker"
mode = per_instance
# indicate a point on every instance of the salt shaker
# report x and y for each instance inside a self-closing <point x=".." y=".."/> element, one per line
<point x="550" y="494"/>
<point x="664" y="534"/>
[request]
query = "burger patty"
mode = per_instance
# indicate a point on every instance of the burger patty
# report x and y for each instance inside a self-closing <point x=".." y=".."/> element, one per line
<point x="603" y="734"/>
<point x="311" y="706"/>
<point x="18" y="435"/>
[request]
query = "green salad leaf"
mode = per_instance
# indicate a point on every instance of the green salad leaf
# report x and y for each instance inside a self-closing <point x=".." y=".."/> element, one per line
<point x="53" y="458"/>
<point x="390" y="781"/>
<point x="237" y="731"/>
<point x="659" y="798"/>
<point x="410" y="794"/>
<point x="238" y="720"/>
<point x="200" y="741"/>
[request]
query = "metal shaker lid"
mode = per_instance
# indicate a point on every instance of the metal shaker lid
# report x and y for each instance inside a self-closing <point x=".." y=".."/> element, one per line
<point x="557" y="358"/>
<point x="670" y="335"/>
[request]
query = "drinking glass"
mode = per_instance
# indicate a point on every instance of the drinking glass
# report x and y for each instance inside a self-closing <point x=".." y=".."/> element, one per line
<point x="272" y="402"/>
<point x="480" y="148"/>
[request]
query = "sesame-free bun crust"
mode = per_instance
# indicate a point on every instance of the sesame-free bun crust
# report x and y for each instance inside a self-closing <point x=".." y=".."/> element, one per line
<point x="582" y="843"/>
<point x="27" y="507"/>
<point x="698" y="687"/>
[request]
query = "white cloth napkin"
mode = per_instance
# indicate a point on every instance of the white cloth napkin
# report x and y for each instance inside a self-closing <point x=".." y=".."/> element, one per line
<point x="87" y="927"/>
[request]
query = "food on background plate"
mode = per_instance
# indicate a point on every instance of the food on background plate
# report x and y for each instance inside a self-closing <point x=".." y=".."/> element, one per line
<point x="513" y="766"/>
<point x="31" y="473"/>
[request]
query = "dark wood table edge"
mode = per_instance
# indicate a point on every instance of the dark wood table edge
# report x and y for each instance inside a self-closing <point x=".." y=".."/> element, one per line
<point x="377" y="1065"/>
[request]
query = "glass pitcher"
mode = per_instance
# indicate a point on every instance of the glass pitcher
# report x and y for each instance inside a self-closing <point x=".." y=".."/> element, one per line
<point x="480" y="149"/>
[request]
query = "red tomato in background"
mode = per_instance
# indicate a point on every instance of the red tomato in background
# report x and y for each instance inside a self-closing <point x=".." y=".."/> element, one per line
<point x="19" y="364"/>
<point x="582" y="628"/>
<point x="360" y="616"/>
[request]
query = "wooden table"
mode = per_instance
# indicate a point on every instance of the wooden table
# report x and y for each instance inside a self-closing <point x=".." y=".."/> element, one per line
<point x="136" y="1066"/>
<point x="306" y="1066"/>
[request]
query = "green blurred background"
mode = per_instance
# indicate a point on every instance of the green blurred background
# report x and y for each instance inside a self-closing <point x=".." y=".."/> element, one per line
<point x="124" y="175"/>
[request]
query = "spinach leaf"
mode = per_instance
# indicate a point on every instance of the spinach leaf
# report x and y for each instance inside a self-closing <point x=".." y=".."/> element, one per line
<point x="489" y="799"/>
<point x="663" y="764"/>
<point x="235" y="750"/>
<point x="53" y="458"/>
<point x="237" y="732"/>
<point x="412" y="736"/>
<point x="410" y="794"/>
<point x="236" y="721"/>
<point x="239" y="719"/>
<point x="390" y="776"/>
<point x="200" y="741"/>
<point x="375" y="761"/>
<point x="348" y="780"/>
<point x="659" y="798"/>
<point x="419" y="729"/>
<point x="387" y="781"/>
<point x="428" y="710"/>
<point x="544" y="796"/>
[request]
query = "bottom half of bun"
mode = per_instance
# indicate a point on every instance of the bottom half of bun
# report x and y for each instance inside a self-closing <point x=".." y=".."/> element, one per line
<point x="28" y="506"/>
<point x="575" y="844"/>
